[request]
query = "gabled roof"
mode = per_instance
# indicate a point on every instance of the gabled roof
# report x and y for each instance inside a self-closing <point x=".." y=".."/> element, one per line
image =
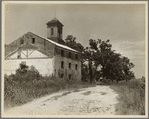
<point x="30" y="46"/>
<point x="57" y="44"/>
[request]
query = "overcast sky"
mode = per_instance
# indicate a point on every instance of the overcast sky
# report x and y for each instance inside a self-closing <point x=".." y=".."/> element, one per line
<point x="123" y="24"/>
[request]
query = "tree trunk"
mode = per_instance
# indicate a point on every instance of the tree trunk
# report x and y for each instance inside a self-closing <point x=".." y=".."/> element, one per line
<point x="103" y="72"/>
<point x="90" y="70"/>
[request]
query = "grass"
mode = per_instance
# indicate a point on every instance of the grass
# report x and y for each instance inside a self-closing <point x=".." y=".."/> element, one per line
<point x="131" y="97"/>
<point x="18" y="92"/>
<point x="27" y="85"/>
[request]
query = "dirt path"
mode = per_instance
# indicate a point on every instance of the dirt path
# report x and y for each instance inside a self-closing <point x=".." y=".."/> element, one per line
<point x="99" y="100"/>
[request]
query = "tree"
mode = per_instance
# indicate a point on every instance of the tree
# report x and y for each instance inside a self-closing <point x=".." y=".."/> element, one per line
<point x="85" y="73"/>
<point x="114" y="66"/>
<point x="87" y="56"/>
<point x="70" y="41"/>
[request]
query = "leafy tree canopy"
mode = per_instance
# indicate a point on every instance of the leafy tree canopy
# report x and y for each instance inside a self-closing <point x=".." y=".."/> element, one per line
<point x="70" y="41"/>
<point x="114" y="66"/>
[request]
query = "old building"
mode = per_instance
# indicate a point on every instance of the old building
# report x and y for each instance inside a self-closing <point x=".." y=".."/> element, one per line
<point x="48" y="55"/>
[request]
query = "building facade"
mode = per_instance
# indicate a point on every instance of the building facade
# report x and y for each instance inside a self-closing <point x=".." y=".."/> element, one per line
<point x="48" y="55"/>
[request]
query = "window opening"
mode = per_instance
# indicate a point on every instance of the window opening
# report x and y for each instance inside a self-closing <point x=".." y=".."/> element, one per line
<point x="62" y="52"/>
<point x="69" y="76"/>
<point x="69" y="54"/>
<point x="59" y="33"/>
<point x="62" y="75"/>
<point x="22" y="41"/>
<point x="33" y="40"/>
<point x="76" y="66"/>
<point x="76" y="56"/>
<point x="62" y="64"/>
<point x="69" y="65"/>
<point x="52" y="31"/>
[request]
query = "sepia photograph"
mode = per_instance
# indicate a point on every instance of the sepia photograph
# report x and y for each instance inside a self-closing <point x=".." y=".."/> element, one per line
<point x="74" y="59"/>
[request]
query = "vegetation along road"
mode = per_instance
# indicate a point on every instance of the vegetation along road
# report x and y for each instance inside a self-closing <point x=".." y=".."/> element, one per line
<point x="99" y="100"/>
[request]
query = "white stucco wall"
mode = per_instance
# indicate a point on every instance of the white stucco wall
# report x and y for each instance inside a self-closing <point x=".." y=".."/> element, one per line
<point x="31" y="54"/>
<point x="36" y="54"/>
<point x="44" y="66"/>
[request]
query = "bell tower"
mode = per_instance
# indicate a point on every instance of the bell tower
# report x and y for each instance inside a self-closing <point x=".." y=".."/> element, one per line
<point x="55" y="30"/>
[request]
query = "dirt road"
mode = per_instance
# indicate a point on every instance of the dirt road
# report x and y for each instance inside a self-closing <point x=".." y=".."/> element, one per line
<point x="99" y="100"/>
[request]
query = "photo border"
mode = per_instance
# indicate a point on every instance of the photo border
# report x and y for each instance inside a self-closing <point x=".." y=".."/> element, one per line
<point x="3" y="3"/>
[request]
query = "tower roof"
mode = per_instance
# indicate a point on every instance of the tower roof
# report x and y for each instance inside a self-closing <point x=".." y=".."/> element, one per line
<point x="54" y="21"/>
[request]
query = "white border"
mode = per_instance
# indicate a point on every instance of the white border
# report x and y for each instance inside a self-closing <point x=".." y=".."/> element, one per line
<point x="74" y="2"/>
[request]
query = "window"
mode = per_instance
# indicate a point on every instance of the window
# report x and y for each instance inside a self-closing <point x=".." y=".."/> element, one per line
<point x="69" y="54"/>
<point x="62" y="75"/>
<point x="76" y="67"/>
<point x="76" y="56"/>
<point x="33" y="40"/>
<point x="22" y="41"/>
<point x="62" y="64"/>
<point x="69" y="65"/>
<point x="52" y="31"/>
<point x="59" y="31"/>
<point x="69" y="76"/>
<point x="62" y="52"/>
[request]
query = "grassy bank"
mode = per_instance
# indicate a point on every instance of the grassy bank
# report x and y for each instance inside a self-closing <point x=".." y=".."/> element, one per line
<point x="131" y="97"/>
<point x="24" y="87"/>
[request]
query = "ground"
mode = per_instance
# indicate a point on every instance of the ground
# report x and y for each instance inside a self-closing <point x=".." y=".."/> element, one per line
<point x="99" y="100"/>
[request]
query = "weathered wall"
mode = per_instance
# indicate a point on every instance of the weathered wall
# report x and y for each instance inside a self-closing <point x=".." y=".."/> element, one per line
<point x="75" y="74"/>
<point x="55" y="32"/>
<point x="39" y="42"/>
<point x="44" y="66"/>
<point x="33" y="54"/>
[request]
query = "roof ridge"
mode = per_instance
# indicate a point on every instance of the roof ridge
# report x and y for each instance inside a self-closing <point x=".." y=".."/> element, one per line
<point x="55" y="43"/>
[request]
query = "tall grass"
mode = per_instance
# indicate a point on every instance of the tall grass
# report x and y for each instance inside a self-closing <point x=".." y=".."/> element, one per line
<point x="27" y="85"/>
<point x="131" y="97"/>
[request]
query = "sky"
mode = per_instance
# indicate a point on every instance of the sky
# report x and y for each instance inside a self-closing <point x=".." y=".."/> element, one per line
<point x="123" y="24"/>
